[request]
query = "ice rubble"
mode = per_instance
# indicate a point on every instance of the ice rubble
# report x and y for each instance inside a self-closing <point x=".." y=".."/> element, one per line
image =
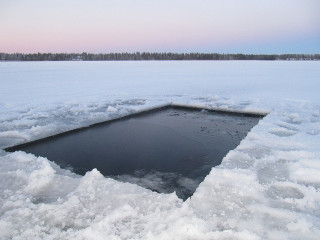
<point x="267" y="188"/>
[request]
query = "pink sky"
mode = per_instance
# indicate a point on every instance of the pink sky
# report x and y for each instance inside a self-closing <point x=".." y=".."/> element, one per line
<point x="160" y="25"/>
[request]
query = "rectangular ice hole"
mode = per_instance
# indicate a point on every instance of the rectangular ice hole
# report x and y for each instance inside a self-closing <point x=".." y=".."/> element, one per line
<point x="165" y="150"/>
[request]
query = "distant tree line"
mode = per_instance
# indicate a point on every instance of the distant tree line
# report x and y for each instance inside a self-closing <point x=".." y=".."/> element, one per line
<point x="149" y="56"/>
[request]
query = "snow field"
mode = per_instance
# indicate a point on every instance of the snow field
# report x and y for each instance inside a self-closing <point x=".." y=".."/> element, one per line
<point x="267" y="188"/>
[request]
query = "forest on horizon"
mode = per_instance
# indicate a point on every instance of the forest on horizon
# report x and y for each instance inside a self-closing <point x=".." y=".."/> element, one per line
<point x="149" y="56"/>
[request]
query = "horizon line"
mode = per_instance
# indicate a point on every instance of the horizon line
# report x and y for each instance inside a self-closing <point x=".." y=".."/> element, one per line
<point x="180" y="53"/>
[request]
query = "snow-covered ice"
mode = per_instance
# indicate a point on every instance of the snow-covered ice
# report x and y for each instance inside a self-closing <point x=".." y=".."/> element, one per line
<point x="267" y="188"/>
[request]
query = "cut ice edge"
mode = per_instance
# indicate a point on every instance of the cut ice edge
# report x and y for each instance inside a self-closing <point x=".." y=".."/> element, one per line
<point x="145" y="110"/>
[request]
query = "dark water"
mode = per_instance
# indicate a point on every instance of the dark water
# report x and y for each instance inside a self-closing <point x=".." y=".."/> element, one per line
<point x="169" y="150"/>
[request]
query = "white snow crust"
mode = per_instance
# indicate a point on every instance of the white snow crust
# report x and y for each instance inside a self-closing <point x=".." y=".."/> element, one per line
<point x="266" y="188"/>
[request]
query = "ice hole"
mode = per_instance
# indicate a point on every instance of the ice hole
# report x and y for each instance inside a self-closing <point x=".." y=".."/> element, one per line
<point x="168" y="149"/>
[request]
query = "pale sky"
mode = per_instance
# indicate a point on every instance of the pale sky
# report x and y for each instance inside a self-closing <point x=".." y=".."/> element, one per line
<point x="102" y="26"/>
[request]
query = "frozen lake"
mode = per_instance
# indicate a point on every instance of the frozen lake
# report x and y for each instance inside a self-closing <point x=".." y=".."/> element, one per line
<point x="266" y="188"/>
